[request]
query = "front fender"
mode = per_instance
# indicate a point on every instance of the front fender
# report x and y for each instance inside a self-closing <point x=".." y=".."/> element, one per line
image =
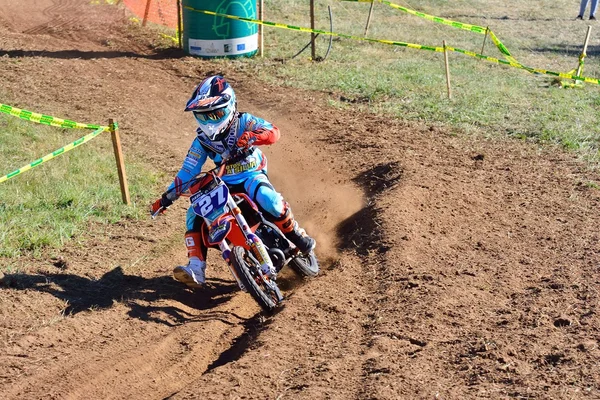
<point x="219" y="230"/>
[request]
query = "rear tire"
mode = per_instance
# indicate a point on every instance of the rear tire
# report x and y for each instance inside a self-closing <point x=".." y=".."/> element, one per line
<point x="306" y="265"/>
<point x="249" y="276"/>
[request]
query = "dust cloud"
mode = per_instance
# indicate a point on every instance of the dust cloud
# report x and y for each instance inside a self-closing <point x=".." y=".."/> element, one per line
<point x="320" y="198"/>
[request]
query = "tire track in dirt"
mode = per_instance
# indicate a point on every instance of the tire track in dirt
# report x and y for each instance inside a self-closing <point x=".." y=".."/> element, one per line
<point x="158" y="330"/>
<point x="310" y="348"/>
<point x="57" y="13"/>
<point x="433" y="289"/>
<point x="177" y="359"/>
<point x="110" y="354"/>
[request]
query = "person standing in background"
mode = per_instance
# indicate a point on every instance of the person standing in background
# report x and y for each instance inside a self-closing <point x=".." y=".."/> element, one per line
<point x="583" y="6"/>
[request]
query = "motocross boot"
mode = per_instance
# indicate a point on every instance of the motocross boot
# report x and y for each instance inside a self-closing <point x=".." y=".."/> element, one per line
<point x="300" y="239"/>
<point x="293" y="233"/>
<point x="193" y="274"/>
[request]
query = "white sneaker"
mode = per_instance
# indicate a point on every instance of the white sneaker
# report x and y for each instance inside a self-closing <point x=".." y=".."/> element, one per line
<point x="192" y="274"/>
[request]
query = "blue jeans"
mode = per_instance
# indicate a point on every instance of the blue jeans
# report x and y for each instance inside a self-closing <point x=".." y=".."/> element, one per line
<point x="584" y="4"/>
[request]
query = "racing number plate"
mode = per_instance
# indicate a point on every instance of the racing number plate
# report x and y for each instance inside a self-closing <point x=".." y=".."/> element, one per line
<point x="211" y="205"/>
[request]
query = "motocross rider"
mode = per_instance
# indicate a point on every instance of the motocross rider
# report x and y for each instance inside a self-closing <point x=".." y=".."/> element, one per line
<point x="224" y="131"/>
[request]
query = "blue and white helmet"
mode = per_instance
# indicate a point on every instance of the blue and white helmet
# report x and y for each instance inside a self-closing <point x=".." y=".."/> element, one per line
<point x="214" y="106"/>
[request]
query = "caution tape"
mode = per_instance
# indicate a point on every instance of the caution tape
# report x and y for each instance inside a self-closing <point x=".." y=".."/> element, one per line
<point x="52" y="121"/>
<point x="455" y="24"/>
<point x="46" y="119"/>
<point x="576" y="84"/>
<point x="568" y="75"/>
<point x="308" y="30"/>
<point x="510" y="61"/>
<point x="55" y="153"/>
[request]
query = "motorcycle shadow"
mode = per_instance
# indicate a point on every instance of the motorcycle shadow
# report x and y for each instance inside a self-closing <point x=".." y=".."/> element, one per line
<point x="144" y="296"/>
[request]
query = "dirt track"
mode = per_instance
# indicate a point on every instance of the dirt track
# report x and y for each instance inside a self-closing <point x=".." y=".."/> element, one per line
<point x="453" y="267"/>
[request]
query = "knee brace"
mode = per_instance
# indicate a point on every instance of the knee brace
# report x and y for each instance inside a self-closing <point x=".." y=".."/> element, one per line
<point x="285" y="222"/>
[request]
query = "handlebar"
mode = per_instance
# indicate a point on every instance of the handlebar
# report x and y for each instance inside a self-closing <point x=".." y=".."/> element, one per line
<point x="157" y="213"/>
<point x="226" y="158"/>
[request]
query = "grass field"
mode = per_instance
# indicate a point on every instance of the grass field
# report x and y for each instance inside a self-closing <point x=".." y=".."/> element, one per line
<point x="48" y="205"/>
<point x="488" y="98"/>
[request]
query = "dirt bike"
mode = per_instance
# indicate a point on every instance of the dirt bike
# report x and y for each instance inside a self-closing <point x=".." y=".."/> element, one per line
<point x="255" y="249"/>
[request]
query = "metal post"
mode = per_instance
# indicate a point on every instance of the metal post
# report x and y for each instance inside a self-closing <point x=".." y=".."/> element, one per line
<point x="179" y="24"/>
<point x="261" y="16"/>
<point x="487" y="29"/>
<point x="312" y="34"/>
<point x="146" y="12"/>
<point x="116" y="140"/>
<point x="369" y="17"/>
<point x="447" y="71"/>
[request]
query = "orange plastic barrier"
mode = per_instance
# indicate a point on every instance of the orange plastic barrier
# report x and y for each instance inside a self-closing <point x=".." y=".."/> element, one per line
<point x="162" y="12"/>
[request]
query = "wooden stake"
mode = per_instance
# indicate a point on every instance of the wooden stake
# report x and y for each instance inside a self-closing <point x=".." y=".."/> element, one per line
<point x="146" y="12"/>
<point x="116" y="140"/>
<point x="261" y="16"/>
<point x="585" y="45"/>
<point x="312" y="34"/>
<point x="487" y="29"/>
<point x="179" y="24"/>
<point x="369" y="17"/>
<point x="447" y="71"/>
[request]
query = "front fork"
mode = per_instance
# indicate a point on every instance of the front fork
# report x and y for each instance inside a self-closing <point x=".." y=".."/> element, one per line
<point x="256" y="245"/>
<point x="226" y="252"/>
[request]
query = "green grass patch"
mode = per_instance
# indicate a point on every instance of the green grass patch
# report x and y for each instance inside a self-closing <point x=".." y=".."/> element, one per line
<point x="52" y="203"/>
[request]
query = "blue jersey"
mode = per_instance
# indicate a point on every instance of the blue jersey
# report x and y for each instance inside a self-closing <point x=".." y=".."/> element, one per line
<point x="202" y="148"/>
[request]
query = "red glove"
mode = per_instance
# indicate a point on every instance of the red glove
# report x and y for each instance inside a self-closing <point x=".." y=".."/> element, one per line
<point x="246" y="140"/>
<point x="160" y="205"/>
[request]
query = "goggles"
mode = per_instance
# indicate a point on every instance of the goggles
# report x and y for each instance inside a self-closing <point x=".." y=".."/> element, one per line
<point x="215" y="115"/>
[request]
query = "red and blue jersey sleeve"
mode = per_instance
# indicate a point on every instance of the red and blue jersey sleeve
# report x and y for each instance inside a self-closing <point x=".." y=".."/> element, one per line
<point x="266" y="133"/>
<point x="192" y="166"/>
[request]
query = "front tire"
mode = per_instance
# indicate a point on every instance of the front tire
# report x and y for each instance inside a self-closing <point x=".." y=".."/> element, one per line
<point x="253" y="280"/>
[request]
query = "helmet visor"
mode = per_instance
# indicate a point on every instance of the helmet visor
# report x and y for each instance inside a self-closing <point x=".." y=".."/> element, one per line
<point x="211" y="116"/>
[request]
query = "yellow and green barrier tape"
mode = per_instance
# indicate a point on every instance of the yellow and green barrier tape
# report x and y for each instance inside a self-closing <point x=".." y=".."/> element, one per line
<point x="576" y="84"/>
<point x="308" y="30"/>
<point x="510" y="61"/>
<point x="55" y="153"/>
<point x="501" y="47"/>
<point x="46" y="119"/>
<point x="52" y="121"/>
<point x="455" y="24"/>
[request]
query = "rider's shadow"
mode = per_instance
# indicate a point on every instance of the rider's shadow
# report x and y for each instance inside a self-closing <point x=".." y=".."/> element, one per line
<point x="81" y="293"/>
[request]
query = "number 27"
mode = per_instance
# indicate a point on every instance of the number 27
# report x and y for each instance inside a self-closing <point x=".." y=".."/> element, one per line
<point x="216" y="199"/>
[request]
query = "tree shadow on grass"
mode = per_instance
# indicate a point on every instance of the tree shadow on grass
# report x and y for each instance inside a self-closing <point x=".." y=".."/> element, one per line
<point x="500" y="18"/>
<point x="572" y="50"/>
<point x="81" y="293"/>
